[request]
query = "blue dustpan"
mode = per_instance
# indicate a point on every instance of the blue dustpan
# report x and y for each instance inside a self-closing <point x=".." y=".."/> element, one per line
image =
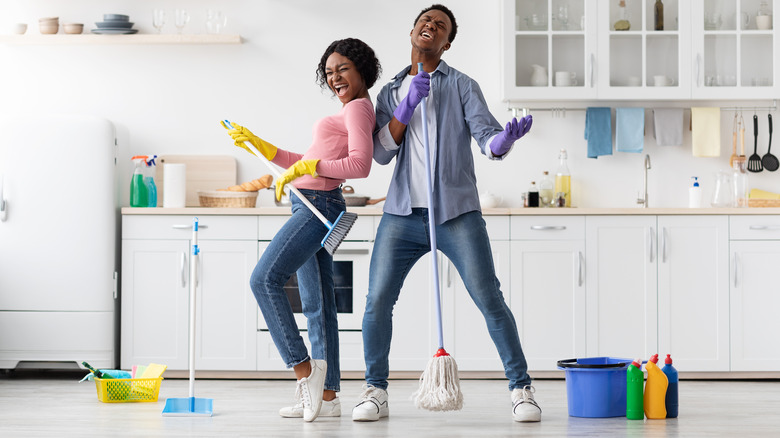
<point x="188" y="407"/>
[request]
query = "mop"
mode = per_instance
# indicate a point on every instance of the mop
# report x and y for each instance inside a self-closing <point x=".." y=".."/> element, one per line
<point x="439" y="384"/>
<point x="191" y="406"/>
<point x="337" y="230"/>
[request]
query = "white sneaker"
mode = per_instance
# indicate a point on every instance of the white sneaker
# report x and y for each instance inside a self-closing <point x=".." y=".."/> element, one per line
<point x="330" y="408"/>
<point x="524" y="407"/>
<point x="310" y="390"/>
<point x="372" y="405"/>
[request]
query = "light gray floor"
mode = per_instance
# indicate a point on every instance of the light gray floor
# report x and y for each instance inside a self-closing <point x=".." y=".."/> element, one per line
<point x="56" y="405"/>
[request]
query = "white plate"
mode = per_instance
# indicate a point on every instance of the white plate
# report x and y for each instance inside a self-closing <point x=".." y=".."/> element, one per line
<point x="114" y="31"/>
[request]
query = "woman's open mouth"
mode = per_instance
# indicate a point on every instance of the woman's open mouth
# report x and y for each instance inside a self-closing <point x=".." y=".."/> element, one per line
<point x="341" y="89"/>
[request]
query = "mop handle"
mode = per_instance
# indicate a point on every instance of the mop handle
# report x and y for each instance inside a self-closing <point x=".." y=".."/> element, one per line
<point x="276" y="173"/>
<point x="431" y="216"/>
<point x="193" y="279"/>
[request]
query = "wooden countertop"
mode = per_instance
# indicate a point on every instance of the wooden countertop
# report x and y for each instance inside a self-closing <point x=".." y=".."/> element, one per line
<point x="377" y="211"/>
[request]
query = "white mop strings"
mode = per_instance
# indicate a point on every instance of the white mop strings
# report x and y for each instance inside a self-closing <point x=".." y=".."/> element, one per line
<point x="439" y="386"/>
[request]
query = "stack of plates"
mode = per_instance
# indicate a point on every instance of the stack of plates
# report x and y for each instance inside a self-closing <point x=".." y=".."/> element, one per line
<point x="114" y="24"/>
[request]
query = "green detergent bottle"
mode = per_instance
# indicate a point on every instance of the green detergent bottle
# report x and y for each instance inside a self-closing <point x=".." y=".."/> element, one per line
<point x="151" y="187"/>
<point x="635" y="380"/>
<point x="139" y="195"/>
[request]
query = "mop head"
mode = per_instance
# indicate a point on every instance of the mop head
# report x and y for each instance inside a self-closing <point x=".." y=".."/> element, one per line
<point x="439" y="385"/>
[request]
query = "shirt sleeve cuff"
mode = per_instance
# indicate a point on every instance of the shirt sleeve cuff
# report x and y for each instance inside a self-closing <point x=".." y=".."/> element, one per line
<point x="386" y="139"/>
<point x="489" y="152"/>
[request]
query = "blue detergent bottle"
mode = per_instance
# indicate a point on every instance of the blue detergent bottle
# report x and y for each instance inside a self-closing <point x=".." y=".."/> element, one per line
<point x="672" y="396"/>
<point x="151" y="187"/>
<point x="139" y="196"/>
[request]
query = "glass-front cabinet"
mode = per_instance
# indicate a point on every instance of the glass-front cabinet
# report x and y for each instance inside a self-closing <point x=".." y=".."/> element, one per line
<point x="640" y="49"/>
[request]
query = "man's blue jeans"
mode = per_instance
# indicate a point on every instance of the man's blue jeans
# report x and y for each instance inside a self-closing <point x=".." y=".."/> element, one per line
<point x="296" y="248"/>
<point x="400" y="242"/>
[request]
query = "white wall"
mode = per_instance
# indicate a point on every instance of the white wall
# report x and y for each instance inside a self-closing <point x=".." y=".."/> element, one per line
<point x="168" y="99"/>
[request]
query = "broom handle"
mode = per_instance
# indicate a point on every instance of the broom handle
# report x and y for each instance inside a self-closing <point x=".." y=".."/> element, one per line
<point x="193" y="302"/>
<point x="431" y="216"/>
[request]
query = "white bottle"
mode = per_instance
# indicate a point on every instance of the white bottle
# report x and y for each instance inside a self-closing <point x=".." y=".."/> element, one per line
<point x="694" y="194"/>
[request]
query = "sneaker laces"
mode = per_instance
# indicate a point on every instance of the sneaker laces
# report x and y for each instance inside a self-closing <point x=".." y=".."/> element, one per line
<point x="302" y="392"/>
<point x="368" y="392"/>
<point x="528" y="393"/>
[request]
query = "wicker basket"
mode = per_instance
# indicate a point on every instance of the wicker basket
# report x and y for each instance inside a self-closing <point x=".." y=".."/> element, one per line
<point x="219" y="198"/>
<point x="771" y="203"/>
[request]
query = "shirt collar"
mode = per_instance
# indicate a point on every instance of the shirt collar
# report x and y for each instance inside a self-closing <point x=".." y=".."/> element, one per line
<point x="442" y="68"/>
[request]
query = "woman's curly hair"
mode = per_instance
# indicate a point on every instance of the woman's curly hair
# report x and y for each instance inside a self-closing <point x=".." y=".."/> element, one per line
<point x="359" y="53"/>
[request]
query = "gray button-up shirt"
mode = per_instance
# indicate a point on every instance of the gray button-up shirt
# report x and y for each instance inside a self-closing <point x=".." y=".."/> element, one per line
<point x="461" y="113"/>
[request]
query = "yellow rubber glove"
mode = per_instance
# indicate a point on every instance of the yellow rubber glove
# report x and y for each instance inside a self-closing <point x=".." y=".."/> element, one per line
<point x="297" y="170"/>
<point x="239" y="134"/>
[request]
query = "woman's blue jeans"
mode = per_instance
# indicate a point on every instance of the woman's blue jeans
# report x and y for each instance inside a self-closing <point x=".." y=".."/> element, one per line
<point x="400" y="242"/>
<point x="296" y="248"/>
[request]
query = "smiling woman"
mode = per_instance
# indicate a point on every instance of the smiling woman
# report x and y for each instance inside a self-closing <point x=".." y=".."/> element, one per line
<point x="349" y="68"/>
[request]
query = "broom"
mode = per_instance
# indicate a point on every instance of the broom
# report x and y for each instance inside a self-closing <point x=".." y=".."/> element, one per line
<point x="337" y="230"/>
<point x="439" y="384"/>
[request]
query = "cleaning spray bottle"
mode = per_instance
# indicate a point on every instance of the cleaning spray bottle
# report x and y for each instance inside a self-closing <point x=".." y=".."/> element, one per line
<point x="672" y="396"/>
<point x="139" y="196"/>
<point x="151" y="187"/>
<point x="635" y="380"/>
<point x="655" y="390"/>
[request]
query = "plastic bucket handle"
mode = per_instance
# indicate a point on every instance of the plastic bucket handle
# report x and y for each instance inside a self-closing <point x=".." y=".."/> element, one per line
<point x="572" y="363"/>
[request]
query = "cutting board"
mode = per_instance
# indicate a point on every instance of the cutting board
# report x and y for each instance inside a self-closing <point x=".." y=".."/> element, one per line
<point x="204" y="172"/>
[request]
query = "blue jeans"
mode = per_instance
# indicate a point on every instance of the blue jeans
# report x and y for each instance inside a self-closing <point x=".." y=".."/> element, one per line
<point x="296" y="248"/>
<point x="400" y="242"/>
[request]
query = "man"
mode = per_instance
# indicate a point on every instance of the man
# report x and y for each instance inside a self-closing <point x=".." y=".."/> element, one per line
<point x="456" y="111"/>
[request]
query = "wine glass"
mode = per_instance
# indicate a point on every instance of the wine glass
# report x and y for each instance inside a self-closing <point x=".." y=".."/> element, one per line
<point x="158" y="20"/>
<point x="215" y="21"/>
<point x="182" y="18"/>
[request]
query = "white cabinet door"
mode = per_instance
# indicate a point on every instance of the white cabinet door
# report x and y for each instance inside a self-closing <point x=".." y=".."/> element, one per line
<point x="693" y="291"/>
<point x="548" y="300"/>
<point x="155" y="295"/>
<point x="755" y="298"/>
<point x="621" y="283"/>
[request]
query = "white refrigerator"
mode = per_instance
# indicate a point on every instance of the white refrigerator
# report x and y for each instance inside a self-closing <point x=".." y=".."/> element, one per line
<point x="58" y="242"/>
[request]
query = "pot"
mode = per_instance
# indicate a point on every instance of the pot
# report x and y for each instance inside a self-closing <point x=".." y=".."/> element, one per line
<point x="353" y="200"/>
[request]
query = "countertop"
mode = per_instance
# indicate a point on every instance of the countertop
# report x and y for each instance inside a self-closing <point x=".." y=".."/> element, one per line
<point x="377" y="211"/>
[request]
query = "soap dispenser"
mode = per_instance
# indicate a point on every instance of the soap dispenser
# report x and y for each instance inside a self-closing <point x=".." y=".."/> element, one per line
<point x="694" y="194"/>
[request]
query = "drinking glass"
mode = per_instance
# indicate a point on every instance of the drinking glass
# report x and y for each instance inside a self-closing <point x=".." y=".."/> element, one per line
<point x="182" y="18"/>
<point x="215" y="21"/>
<point x="158" y="20"/>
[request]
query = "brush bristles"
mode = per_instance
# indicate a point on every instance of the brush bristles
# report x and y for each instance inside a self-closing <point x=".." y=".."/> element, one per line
<point x="439" y="386"/>
<point x="339" y="231"/>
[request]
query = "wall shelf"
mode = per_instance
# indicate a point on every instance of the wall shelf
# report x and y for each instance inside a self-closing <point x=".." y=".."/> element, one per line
<point x="93" y="39"/>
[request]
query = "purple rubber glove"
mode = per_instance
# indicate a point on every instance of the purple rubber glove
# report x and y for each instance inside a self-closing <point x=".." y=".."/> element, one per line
<point x="513" y="131"/>
<point x="420" y="87"/>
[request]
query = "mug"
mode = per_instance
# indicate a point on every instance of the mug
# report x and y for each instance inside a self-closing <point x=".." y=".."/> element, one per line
<point x="565" y="78"/>
<point x="662" y="81"/>
<point x="634" y="81"/>
<point x="764" y="22"/>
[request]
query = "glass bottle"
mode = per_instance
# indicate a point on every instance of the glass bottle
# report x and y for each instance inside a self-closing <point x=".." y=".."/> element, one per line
<point x="659" y="15"/>
<point x="563" y="178"/>
<point x="622" y="22"/>
<point x="740" y="182"/>
<point x="546" y="190"/>
<point x="533" y="195"/>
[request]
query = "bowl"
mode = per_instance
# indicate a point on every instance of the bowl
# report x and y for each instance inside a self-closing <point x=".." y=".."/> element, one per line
<point x="49" y="29"/>
<point x="49" y="20"/>
<point x="73" y="28"/>
<point x="114" y="24"/>
<point x="19" y="28"/>
<point x="115" y="17"/>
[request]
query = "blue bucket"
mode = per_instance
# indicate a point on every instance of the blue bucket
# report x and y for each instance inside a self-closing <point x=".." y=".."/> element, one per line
<point x="596" y="386"/>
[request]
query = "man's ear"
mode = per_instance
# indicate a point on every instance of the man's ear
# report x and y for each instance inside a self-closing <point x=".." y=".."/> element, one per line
<point x="446" y="47"/>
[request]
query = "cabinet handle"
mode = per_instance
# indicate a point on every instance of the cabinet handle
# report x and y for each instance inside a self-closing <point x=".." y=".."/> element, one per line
<point x="698" y="69"/>
<point x="351" y="251"/>
<point x="764" y="227"/>
<point x="736" y="261"/>
<point x="182" y="263"/>
<point x="548" y="227"/>
<point x="663" y="245"/>
<point x="449" y="272"/>
<point x="579" y="268"/>
<point x="188" y="227"/>
<point x="651" y="237"/>
<point x="592" y="67"/>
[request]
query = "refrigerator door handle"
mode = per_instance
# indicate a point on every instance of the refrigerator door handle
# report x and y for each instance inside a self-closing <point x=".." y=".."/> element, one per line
<point x="189" y="227"/>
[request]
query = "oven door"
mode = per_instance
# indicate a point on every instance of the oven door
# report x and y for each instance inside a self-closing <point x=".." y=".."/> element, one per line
<point x="350" y="276"/>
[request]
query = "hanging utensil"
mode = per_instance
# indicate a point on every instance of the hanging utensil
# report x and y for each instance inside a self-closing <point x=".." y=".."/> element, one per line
<point x="770" y="161"/>
<point x="754" y="162"/>
<point x="734" y="143"/>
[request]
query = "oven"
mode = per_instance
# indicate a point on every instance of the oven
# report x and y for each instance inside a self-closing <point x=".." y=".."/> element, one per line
<point x="350" y="276"/>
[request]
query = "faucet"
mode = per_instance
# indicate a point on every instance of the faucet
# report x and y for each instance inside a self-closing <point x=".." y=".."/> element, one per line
<point x="646" y="167"/>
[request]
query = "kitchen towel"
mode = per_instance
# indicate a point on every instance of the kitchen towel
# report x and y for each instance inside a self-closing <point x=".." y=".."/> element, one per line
<point x="174" y="185"/>
<point x="629" y="129"/>
<point x="668" y="126"/>
<point x="705" y="135"/>
<point x="598" y="131"/>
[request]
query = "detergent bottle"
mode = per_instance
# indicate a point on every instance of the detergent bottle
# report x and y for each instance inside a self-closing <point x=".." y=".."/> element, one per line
<point x="635" y="380"/>
<point x="655" y="390"/>
<point x="672" y="396"/>
<point x="151" y="187"/>
<point x="139" y="196"/>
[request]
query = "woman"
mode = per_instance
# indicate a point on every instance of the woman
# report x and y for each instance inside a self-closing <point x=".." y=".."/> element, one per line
<point x="341" y="149"/>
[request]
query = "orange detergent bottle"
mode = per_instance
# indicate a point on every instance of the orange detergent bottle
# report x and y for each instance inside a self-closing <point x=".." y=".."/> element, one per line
<point x="655" y="390"/>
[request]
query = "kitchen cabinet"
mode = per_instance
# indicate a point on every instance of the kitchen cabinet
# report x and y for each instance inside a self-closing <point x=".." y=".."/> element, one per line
<point x="92" y="39"/>
<point x="621" y="286"/>
<point x="548" y="288"/>
<point x="755" y="297"/>
<point x="708" y="49"/>
<point x="155" y="292"/>
<point x="693" y="291"/>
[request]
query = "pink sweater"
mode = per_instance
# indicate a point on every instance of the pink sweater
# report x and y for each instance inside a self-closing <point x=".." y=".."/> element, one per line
<point x="342" y="142"/>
